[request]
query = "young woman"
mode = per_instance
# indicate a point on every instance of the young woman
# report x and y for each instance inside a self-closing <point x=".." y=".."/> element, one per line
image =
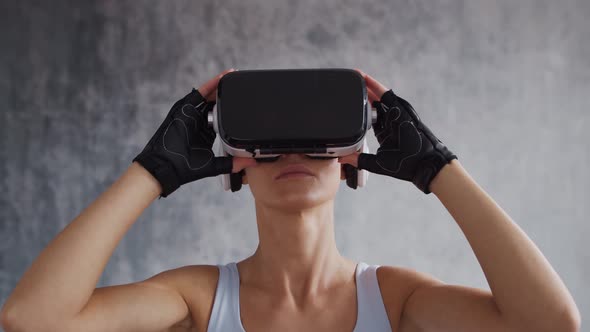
<point x="296" y="280"/>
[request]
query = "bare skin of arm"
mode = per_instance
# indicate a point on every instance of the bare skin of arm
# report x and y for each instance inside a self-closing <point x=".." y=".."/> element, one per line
<point x="526" y="292"/>
<point x="60" y="282"/>
<point x="58" y="292"/>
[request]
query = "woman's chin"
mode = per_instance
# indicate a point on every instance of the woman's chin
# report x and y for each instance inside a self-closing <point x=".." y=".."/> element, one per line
<point x="295" y="205"/>
<point x="295" y="193"/>
<point x="299" y="199"/>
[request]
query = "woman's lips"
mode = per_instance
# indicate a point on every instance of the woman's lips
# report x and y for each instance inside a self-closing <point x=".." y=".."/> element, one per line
<point x="294" y="171"/>
<point x="293" y="175"/>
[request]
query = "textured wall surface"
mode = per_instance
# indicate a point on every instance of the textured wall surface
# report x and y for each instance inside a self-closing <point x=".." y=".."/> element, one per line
<point x="505" y="84"/>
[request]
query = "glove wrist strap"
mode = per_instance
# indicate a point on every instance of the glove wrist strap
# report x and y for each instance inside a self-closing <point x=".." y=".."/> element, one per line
<point x="428" y="169"/>
<point x="162" y="172"/>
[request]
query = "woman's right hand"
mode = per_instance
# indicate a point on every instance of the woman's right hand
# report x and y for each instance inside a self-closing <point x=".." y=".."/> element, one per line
<point x="181" y="149"/>
<point x="408" y="150"/>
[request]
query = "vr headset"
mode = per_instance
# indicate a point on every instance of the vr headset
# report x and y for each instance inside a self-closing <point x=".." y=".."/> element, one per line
<point x="262" y="114"/>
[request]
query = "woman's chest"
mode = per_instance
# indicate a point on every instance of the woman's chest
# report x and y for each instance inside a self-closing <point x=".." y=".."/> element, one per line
<point x="289" y="321"/>
<point x="337" y="312"/>
<point x="258" y="312"/>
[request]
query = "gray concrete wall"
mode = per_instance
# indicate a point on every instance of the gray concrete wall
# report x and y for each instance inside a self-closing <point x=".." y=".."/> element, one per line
<point x="84" y="85"/>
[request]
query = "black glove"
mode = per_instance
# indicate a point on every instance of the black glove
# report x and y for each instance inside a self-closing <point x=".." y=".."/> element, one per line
<point x="180" y="150"/>
<point x="408" y="149"/>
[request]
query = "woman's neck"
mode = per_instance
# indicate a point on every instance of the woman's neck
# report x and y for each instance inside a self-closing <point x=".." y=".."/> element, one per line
<point x="297" y="254"/>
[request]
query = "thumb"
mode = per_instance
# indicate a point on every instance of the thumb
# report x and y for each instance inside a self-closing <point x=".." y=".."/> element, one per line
<point x="239" y="163"/>
<point x="368" y="161"/>
<point x="351" y="159"/>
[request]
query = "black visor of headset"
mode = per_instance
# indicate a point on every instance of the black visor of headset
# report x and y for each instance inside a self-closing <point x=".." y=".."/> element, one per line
<point x="263" y="114"/>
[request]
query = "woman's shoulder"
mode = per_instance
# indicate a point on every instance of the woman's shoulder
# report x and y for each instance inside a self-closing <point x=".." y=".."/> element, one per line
<point x="398" y="277"/>
<point x="202" y="277"/>
<point x="197" y="284"/>
<point x="396" y="285"/>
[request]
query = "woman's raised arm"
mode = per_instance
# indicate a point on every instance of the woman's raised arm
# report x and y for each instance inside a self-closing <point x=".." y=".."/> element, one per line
<point x="61" y="280"/>
<point x="60" y="283"/>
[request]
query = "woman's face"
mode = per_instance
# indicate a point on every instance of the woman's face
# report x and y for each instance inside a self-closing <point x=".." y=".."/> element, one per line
<point x="294" y="193"/>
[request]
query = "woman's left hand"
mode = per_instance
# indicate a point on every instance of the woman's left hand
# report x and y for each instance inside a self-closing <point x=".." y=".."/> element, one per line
<point x="408" y="150"/>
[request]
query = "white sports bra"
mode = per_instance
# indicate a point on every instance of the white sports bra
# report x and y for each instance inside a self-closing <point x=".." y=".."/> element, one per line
<point x="371" y="315"/>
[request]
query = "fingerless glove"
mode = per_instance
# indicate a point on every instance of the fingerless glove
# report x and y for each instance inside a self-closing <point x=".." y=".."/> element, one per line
<point x="408" y="150"/>
<point x="181" y="149"/>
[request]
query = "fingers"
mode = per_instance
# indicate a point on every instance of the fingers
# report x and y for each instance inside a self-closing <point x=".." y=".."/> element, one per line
<point x="375" y="88"/>
<point x="210" y="86"/>
<point x="372" y="96"/>
<point x="378" y="88"/>
<point x="239" y="163"/>
<point x="351" y="159"/>
<point x="212" y="96"/>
